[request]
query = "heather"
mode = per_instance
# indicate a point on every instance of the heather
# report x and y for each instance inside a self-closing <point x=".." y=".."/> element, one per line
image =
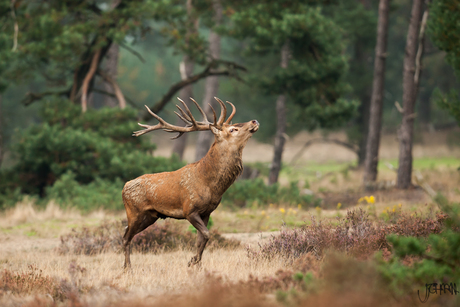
<point x="356" y="234"/>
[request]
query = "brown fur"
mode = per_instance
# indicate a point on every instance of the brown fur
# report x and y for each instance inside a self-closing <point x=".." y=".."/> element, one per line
<point x="192" y="192"/>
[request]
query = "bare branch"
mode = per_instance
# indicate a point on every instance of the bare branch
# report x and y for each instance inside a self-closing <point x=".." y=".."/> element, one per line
<point x="399" y="108"/>
<point x="128" y="100"/>
<point x="421" y="41"/>
<point x="88" y="77"/>
<point x="134" y="52"/>
<point x="31" y="97"/>
<point x="116" y="88"/>
<point x="349" y="146"/>
<point x="16" y="26"/>
<point x="232" y="67"/>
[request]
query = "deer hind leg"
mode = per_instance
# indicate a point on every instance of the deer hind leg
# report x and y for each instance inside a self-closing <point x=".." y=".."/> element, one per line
<point x="200" y="223"/>
<point x="136" y="224"/>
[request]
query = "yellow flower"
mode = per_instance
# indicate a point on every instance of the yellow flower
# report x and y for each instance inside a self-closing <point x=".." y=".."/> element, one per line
<point x="299" y="206"/>
<point x="263" y="212"/>
<point x="361" y="199"/>
<point x="399" y="205"/>
<point x="245" y="212"/>
<point x="371" y="199"/>
<point x="282" y="210"/>
<point x="394" y="209"/>
<point x="339" y="205"/>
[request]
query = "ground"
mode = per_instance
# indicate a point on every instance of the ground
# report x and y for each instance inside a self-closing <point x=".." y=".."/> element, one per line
<point x="29" y="236"/>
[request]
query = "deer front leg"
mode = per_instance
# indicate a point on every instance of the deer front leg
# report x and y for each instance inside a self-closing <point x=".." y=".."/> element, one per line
<point x="200" y="223"/>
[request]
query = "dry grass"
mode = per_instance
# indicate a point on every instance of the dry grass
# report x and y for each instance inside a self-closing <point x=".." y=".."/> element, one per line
<point x="151" y="275"/>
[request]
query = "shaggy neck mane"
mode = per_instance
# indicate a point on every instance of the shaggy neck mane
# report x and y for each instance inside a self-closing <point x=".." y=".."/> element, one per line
<point x="221" y="166"/>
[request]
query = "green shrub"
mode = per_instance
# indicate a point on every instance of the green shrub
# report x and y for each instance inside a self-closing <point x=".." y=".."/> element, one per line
<point x="243" y="192"/>
<point x="75" y="156"/>
<point x="420" y="261"/>
<point x="98" y="194"/>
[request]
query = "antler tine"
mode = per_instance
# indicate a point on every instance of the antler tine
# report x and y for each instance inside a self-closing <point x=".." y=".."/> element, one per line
<point x="189" y="113"/>
<point x="186" y="116"/>
<point x="183" y="114"/>
<point x="147" y="129"/>
<point x="177" y="136"/>
<point x="215" y="118"/>
<point x="229" y="120"/>
<point x="205" y="118"/>
<point x="183" y="118"/>
<point x="223" y="112"/>
<point x="161" y="120"/>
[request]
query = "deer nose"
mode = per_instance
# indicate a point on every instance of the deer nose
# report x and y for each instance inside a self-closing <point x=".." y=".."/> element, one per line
<point x="255" y="122"/>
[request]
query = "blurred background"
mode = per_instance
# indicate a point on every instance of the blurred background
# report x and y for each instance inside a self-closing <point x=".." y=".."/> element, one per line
<point x="75" y="76"/>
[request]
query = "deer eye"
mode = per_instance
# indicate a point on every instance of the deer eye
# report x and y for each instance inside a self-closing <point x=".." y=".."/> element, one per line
<point x="233" y="129"/>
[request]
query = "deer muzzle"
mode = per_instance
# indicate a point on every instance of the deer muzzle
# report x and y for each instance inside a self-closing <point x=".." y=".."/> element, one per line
<point x="255" y="127"/>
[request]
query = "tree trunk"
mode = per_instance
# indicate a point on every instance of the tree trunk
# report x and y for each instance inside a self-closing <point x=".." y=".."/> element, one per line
<point x="205" y="138"/>
<point x="186" y="70"/>
<point x="375" y="114"/>
<point x="1" y="132"/>
<point x="361" y="58"/>
<point x="363" y="122"/>
<point x="281" y="124"/>
<point x="111" y="69"/>
<point x="410" y="88"/>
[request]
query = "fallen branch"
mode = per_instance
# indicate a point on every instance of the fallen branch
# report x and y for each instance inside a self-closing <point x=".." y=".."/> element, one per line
<point x="208" y="71"/>
<point x="424" y="185"/>
<point x="349" y="146"/>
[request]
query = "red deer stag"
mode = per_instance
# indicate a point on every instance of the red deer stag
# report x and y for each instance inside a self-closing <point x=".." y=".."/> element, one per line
<point x="194" y="191"/>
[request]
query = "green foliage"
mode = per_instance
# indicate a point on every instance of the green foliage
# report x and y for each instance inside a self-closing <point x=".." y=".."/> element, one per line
<point x="99" y="193"/>
<point x="55" y="36"/>
<point x="316" y="68"/>
<point x="244" y="192"/>
<point x="444" y="29"/>
<point x="449" y="102"/>
<point x="435" y="259"/>
<point x="93" y="149"/>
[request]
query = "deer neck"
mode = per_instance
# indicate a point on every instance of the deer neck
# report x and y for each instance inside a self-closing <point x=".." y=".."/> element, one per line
<point x="221" y="166"/>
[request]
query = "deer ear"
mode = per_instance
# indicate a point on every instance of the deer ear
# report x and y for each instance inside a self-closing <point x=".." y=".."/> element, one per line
<point x="214" y="130"/>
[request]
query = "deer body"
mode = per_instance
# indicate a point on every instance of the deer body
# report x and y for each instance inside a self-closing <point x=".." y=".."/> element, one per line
<point x="194" y="191"/>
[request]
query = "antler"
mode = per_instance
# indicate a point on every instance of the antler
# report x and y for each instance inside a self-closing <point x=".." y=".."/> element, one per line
<point x="187" y="117"/>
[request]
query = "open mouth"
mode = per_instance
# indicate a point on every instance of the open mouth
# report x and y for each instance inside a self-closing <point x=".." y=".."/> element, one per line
<point x="254" y="129"/>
